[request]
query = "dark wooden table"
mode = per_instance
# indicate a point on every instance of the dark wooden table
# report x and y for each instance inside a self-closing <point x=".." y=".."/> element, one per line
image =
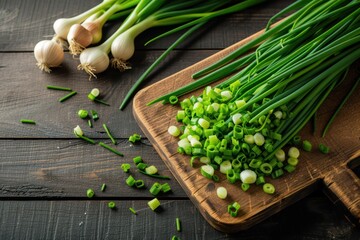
<point x="45" y="171"/>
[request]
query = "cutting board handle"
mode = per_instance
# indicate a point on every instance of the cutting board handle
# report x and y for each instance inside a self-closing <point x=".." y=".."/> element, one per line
<point x="345" y="185"/>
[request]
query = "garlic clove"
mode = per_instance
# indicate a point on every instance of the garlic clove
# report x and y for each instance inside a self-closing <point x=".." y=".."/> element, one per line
<point x="95" y="30"/>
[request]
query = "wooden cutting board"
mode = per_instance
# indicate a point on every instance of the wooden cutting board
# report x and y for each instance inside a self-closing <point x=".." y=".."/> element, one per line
<point x="331" y="171"/>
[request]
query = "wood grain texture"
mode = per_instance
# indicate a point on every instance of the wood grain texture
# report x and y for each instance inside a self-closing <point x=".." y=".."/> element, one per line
<point x="67" y="168"/>
<point x="256" y="205"/>
<point x="26" y="95"/>
<point x="311" y="218"/>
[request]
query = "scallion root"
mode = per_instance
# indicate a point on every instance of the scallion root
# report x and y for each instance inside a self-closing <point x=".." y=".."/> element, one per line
<point x="120" y="64"/>
<point x="88" y="69"/>
<point x="75" y="48"/>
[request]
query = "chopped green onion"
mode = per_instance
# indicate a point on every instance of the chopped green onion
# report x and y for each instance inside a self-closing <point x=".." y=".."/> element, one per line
<point x="165" y="188"/>
<point x="78" y="131"/>
<point x="175" y="238"/>
<point x="125" y="167"/>
<point x="292" y="161"/>
<point x="110" y="149"/>
<point x="90" y="193"/>
<point x="134" y="138"/>
<point x="109" y="134"/>
<point x="151" y="170"/>
<point x="58" y="88"/>
<point x="307" y="146"/>
<point x="225" y="166"/>
<point x="174" y="131"/>
<point x="233" y="209"/>
<point x="83" y="113"/>
<point x="294" y="152"/>
<point x="103" y="186"/>
<point x="94" y="115"/>
<point x="154" y="204"/>
<point x="132" y="210"/>
<point x="141" y="166"/>
<point x="155" y="188"/>
<point x="139" y="183"/>
<point x="173" y="100"/>
<point x="95" y="92"/>
<point x="27" y="121"/>
<point x="178" y="224"/>
<point x="248" y="176"/>
<point x="111" y="205"/>
<point x="66" y="97"/>
<point x="221" y="192"/>
<point x="245" y="186"/>
<point x="130" y="181"/>
<point x="90" y="123"/>
<point x="137" y="160"/>
<point x="269" y="188"/>
<point x="323" y="148"/>
<point x="280" y="155"/>
<point x="207" y="171"/>
<point x="89" y="140"/>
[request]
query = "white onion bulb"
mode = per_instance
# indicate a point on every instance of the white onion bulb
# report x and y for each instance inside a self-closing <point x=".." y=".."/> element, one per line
<point x="93" y="60"/>
<point x="48" y="53"/>
<point x="122" y="49"/>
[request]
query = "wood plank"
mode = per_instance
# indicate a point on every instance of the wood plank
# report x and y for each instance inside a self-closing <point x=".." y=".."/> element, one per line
<point x="155" y="120"/>
<point x="25" y="95"/>
<point x="311" y="218"/>
<point x="67" y="168"/>
<point x="26" y="23"/>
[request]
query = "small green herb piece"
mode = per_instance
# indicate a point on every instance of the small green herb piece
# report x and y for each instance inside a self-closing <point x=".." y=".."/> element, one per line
<point x="269" y="188"/>
<point x="233" y="209"/>
<point x="151" y="170"/>
<point x="125" y="167"/>
<point x="130" y="181"/>
<point x="58" y="88"/>
<point x="307" y="146"/>
<point x="141" y="166"/>
<point x="90" y="193"/>
<point x="245" y="186"/>
<point x="165" y="188"/>
<point x="94" y="115"/>
<point x="66" y="97"/>
<point x="103" y="187"/>
<point x="173" y="100"/>
<point x="154" y="204"/>
<point x="155" y="188"/>
<point x="27" y="121"/>
<point x="111" y="205"/>
<point x="132" y="210"/>
<point x="90" y="123"/>
<point x="323" y="148"/>
<point x="134" y="138"/>
<point x="139" y="183"/>
<point x="178" y="224"/>
<point x="175" y="238"/>
<point x="83" y="113"/>
<point x="111" y="149"/>
<point x="109" y="134"/>
<point x="95" y="92"/>
<point x="137" y="160"/>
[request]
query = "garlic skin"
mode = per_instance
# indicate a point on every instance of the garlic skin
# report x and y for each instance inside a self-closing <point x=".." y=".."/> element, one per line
<point x="122" y="49"/>
<point x="48" y="53"/>
<point x="93" y="60"/>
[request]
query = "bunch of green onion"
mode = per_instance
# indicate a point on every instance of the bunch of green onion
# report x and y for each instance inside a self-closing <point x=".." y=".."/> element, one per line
<point x="246" y="122"/>
<point x="85" y="30"/>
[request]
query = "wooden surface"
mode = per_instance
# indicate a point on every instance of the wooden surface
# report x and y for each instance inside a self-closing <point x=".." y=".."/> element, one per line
<point x="45" y="171"/>
<point x="331" y="169"/>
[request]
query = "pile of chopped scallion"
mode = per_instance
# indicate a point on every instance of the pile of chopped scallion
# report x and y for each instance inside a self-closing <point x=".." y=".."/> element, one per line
<point x="244" y="125"/>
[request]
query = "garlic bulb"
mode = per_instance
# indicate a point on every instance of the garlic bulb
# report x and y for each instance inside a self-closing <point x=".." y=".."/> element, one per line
<point x="94" y="60"/>
<point x="48" y="53"/>
<point x="78" y="38"/>
<point x="62" y="26"/>
<point x="122" y="49"/>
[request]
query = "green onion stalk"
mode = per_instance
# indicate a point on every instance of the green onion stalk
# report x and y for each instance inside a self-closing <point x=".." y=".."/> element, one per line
<point x="246" y="122"/>
<point x="192" y="19"/>
<point x="89" y="32"/>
